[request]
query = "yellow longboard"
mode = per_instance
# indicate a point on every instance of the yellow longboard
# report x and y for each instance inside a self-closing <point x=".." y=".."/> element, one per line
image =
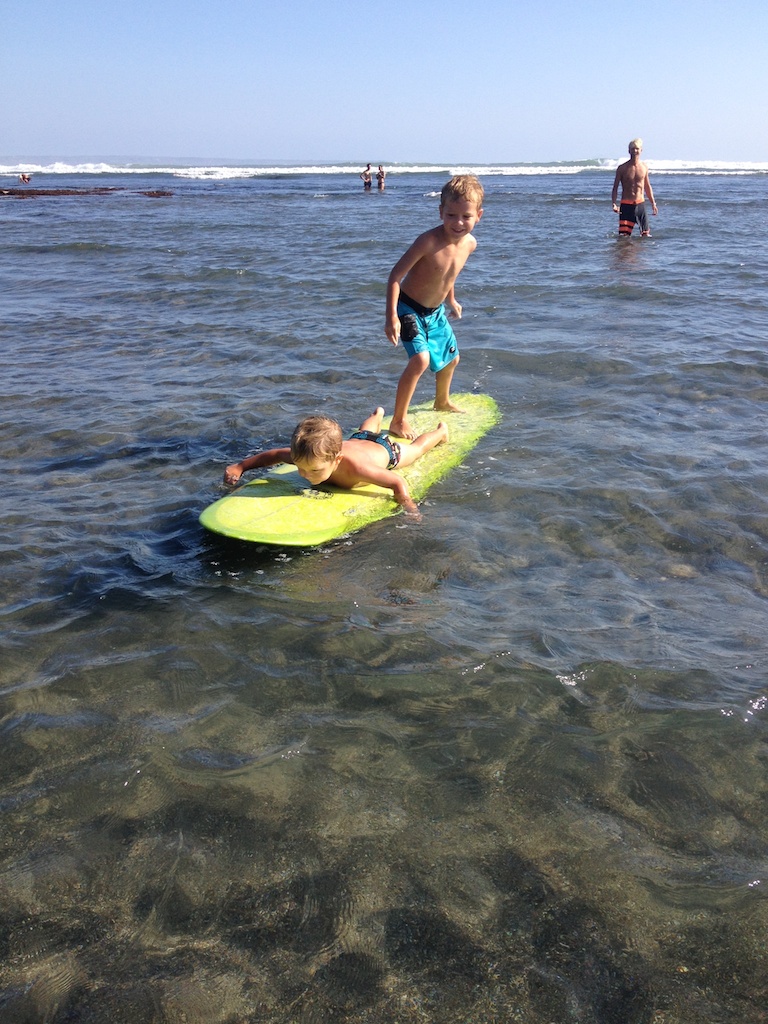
<point x="280" y="508"/>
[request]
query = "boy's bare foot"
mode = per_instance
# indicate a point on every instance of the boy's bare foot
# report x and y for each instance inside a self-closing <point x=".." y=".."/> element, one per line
<point x="443" y="428"/>
<point x="401" y="428"/>
<point x="446" y="407"/>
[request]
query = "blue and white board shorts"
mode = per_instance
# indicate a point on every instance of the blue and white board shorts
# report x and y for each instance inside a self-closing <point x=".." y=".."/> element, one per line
<point x="427" y="330"/>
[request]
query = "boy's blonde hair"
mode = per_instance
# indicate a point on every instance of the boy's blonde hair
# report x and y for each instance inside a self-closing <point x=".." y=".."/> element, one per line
<point x="316" y="437"/>
<point x="463" y="186"/>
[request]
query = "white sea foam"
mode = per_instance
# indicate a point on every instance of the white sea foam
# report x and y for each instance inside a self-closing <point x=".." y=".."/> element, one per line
<point x="229" y="171"/>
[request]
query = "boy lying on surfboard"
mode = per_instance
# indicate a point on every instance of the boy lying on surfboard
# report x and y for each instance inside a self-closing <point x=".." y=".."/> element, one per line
<point x="369" y="456"/>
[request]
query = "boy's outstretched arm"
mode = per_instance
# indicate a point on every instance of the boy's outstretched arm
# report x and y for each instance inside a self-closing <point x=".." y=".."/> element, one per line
<point x="272" y="457"/>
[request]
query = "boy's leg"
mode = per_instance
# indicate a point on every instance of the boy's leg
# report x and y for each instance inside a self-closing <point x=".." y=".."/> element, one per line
<point x="416" y="365"/>
<point x="424" y="443"/>
<point x="373" y="422"/>
<point x="443" y="380"/>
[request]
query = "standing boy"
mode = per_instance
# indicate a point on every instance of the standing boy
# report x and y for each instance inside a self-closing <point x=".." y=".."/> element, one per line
<point x="416" y="313"/>
<point x="632" y="175"/>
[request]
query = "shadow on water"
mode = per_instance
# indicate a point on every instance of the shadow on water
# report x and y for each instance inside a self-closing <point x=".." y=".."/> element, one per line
<point x="226" y="555"/>
<point x="396" y="845"/>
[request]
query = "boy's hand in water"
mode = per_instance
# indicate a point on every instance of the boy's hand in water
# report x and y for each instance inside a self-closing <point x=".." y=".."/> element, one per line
<point x="233" y="473"/>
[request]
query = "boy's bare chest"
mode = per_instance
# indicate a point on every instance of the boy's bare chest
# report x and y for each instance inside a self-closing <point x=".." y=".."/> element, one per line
<point x="449" y="259"/>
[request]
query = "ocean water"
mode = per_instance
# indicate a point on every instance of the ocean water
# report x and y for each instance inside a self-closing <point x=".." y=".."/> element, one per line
<point x="505" y="764"/>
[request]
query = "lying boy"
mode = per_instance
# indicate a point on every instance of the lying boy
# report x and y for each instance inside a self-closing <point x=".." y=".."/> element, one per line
<point x="428" y="273"/>
<point x="369" y="456"/>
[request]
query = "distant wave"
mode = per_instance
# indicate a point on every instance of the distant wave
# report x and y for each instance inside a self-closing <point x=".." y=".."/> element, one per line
<point x="227" y="171"/>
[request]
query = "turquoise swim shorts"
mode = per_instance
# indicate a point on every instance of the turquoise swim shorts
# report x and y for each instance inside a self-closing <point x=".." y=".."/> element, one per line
<point x="426" y="330"/>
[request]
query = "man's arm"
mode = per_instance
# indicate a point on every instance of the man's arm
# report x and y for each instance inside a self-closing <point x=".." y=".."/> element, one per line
<point x="649" y="192"/>
<point x="272" y="457"/>
<point x="615" y="192"/>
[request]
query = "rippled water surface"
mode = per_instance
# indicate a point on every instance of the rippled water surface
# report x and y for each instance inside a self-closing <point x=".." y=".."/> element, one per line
<point x="506" y="764"/>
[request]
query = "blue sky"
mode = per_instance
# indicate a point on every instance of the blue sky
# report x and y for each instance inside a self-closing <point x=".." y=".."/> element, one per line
<point x="394" y="81"/>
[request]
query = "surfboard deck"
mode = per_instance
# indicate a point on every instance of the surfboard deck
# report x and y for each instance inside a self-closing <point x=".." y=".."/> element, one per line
<point x="280" y="508"/>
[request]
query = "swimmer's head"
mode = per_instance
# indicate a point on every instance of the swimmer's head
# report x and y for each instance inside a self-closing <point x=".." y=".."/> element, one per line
<point x="635" y="144"/>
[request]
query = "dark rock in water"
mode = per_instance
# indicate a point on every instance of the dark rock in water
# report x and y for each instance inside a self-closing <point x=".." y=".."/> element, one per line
<point x="576" y="967"/>
<point x="425" y="941"/>
<point x="350" y="981"/>
<point x="40" y="193"/>
<point x="581" y="973"/>
<point x="125" y="1004"/>
<point x="301" y="916"/>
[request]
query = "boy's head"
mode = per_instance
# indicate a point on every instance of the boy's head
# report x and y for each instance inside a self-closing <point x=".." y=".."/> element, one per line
<point x="463" y="187"/>
<point x="316" y="448"/>
<point x="461" y="205"/>
<point x="636" y="144"/>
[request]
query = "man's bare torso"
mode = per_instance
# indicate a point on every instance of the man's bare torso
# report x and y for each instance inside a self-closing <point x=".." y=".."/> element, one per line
<point x="632" y="177"/>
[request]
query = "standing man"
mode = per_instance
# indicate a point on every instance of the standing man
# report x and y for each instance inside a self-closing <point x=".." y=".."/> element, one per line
<point x="632" y="175"/>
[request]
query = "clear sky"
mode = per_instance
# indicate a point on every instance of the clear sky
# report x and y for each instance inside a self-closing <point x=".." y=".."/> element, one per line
<point x="503" y="81"/>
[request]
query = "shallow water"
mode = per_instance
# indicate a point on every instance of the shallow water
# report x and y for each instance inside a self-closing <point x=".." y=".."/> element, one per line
<point x="507" y="764"/>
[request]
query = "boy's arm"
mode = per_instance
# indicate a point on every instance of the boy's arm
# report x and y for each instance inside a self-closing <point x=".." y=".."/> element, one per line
<point x="406" y="262"/>
<point x="399" y="488"/>
<point x="383" y="478"/>
<point x="401" y="494"/>
<point x="272" y="457"/>
<point x="454" y="306"/>
<point x="392" y="323"/>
